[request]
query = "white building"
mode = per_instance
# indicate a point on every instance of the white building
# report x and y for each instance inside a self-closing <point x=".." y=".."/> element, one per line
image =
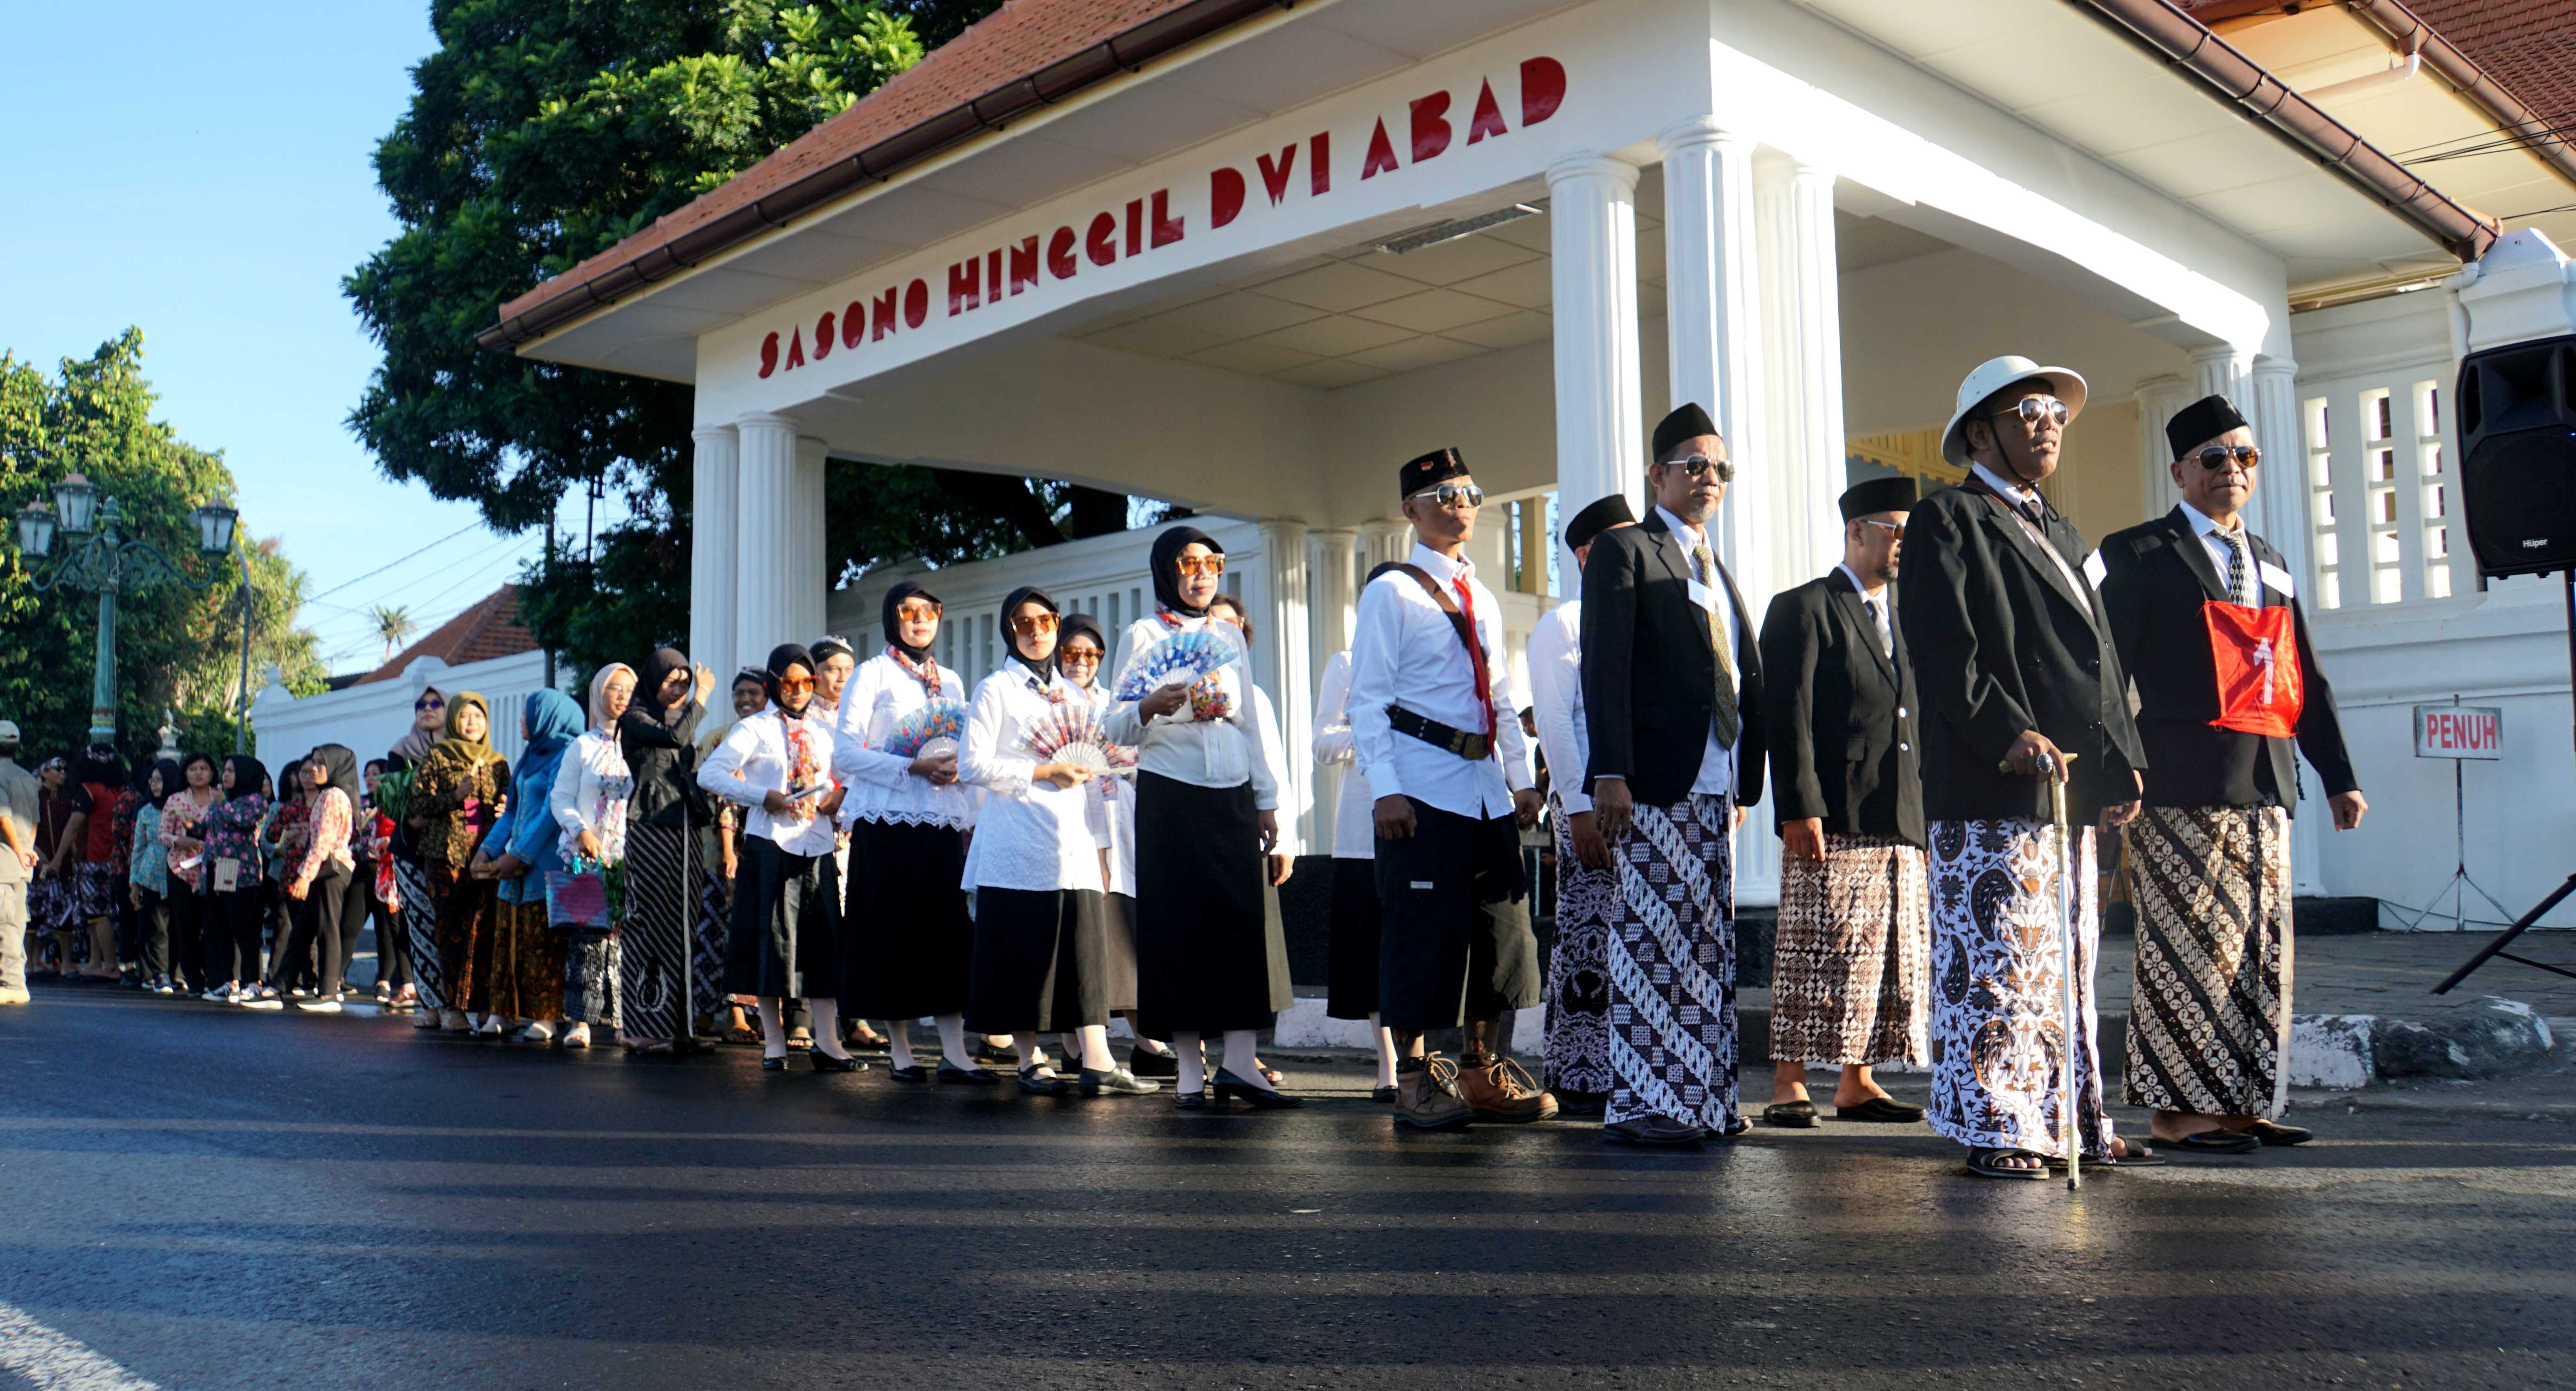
<point x="482" y="649"/>
<point x="1248" y="257"/>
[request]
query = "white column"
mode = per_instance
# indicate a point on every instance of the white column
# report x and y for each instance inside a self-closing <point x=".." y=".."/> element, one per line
<point x="1802" y="309"/>
<point x="1380" y="542"/>
<point x="1714" y="318"/>
<point x="2279" y="514"/>
<point x="1334" y="555"/>
<point x="2158" y="399"/>
<point x="1600" y="426"/>
<point x="712" y="503"/>
<point x="1285" y="668"/>
<point x="767" y="539"/>
<point x="805" y="600"/>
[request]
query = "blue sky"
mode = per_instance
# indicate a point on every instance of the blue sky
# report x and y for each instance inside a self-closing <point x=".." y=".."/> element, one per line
<point x="203" y="171"/>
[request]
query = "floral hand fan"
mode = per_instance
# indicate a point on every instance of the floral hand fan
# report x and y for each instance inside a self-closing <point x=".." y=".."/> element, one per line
<point x="932" y="728"/>
<point x="1072" y="735"/>
<point x="1182" y="656"/>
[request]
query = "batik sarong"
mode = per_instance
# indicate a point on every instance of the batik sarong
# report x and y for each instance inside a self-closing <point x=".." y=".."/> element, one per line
<point x="420" y="923"/>
<point x="1578" y="980"/>
<point x="524" y="978"/>
<point x="2209" y="1020"/>
<point x="590" y="977"/>
<point x="653" y="960"/>
<point x="1851" y="976"/>
<point x="1671" y="966"/>
<point x="1998" y="1017"/>
<point x="707" y="943"/>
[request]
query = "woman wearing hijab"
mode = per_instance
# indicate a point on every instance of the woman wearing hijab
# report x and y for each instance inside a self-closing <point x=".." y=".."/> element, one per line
<point x="588" y="801"/>
<point x="523" y="983"/>
<point x="1206" y="816"/>
<point x="1041" y="914"/>
<point x="428" y="725"/>
<point x="911" y="945"/>
<point x="786" y="938"/>
<point x="657" y="991"/>
<point x="231" y="833"/>
<point x="317" y="877"/>
<point x="182" y="831"/>
<point x="147" y="877"/>
<point x="455" y="798"/>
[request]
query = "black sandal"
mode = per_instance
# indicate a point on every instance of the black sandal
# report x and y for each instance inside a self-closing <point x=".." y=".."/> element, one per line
<point x="1796" y="1115"/>
<point x="1981" y="1162"/>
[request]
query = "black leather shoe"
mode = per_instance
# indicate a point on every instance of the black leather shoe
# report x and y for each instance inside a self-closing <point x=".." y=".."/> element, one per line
<point x="1653" y="1130"/>
<point x="1384" y="1096"/>
<point x="2272" y="1134"/>
<point x="1229" y="1086"/>
<point x="967" y="1076"/>
<point x="1144" y="1064"/>
<point x="1796" y="1115"/>
<point x="1039" y="1081"/>
<point x="915" y="1074"/>
<point x="1879" y="1108"/>
<point x="777" y="1064"/>
<point x="825" y="1062"/>
<point x="1190" y="1101"/>
<point x="1574" y="1103"/>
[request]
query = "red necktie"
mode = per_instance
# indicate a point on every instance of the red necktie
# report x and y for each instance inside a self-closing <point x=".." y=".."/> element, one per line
<point x="1476" y="654"/>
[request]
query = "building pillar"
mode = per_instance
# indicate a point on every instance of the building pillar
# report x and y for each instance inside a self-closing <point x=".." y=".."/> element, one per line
<point x="2158" y="399"/>
<point x="2279" y="514"/>
<point x="1600" y="429"/>
<point x="813" y="582"/>
<point x="1283" y="663"/>
<point x="1802" y="321"/>
<point x="1380" y="541"/>
<point x="767" y="537"/>
<point x="1713" y="316"/>
<point x="712" y="504"/>
<point x="1333" y="553"/>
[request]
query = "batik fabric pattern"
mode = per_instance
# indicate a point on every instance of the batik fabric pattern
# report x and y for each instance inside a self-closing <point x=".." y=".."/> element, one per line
<point x="2209" y="1018"/>
<point x="1851" y="975"/>
<point x="1998" y="1017"/>
<point x="420" y="919"/>
<point x="1578" y="968"/>
<point x="653" y="961"/>
<point x="1671" y="966"/>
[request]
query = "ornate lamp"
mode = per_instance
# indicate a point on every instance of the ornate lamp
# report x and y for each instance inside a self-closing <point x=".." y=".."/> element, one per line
<point x="215" y="526"/>
<point x="76" y="502"/>
<point x="35" y="531"/>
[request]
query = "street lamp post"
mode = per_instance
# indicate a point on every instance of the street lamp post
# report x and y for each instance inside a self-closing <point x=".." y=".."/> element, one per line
<point x="108" y="563"/>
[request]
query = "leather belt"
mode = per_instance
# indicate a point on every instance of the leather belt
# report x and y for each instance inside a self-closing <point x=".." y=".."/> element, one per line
<point x="1471" y="746"/>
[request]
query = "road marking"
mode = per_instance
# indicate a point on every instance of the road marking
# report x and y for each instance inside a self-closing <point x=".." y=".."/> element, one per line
<point x="51" y="1362"/>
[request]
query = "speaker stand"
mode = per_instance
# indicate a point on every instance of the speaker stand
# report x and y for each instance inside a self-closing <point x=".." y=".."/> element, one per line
<point x="2523" y="924"/>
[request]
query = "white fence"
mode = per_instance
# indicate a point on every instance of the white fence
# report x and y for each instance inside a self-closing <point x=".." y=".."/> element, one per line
<point x="370" y="718"/>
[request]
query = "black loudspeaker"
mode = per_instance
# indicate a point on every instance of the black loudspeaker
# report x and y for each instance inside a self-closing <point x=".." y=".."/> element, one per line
<point x="2517" y="409"/>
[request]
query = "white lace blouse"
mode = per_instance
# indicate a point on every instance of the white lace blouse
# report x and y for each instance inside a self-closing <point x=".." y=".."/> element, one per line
<point x="591" y="789"/>
<point x="1028" y="835"/>
<point x="882" y="785"/>
<point x="1204" y="753"/>
<point x="753" y="759"/>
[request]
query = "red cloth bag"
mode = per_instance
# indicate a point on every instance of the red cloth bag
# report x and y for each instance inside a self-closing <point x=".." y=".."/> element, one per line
<point x="2257" y="655"/>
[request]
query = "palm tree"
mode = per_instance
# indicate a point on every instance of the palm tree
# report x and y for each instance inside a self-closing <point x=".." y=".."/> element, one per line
<point x="393" y="624"/>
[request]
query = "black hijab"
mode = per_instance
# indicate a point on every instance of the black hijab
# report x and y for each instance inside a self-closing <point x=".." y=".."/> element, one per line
<point x="249" y="774"/>
<point x="1167" y="568"/>
<point x="1081" y="625"/>
<point x="658" y="669"/>
<point x="171" y="781"/>
<point x="340" y="769"/>
<point x="1029" y="594"/>
<point x="781" y="657"/>
<point x="894" y="626"/>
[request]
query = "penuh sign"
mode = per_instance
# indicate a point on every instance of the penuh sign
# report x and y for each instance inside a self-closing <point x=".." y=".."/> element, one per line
<point x="2459" y="731"/>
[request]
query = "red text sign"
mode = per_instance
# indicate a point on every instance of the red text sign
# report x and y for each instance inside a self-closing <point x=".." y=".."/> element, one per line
<point x="2459" y="731"/>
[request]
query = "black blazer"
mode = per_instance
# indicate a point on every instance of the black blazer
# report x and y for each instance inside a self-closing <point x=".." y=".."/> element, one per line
<point x="2157" y="576"/>
<point x="1845" y="746"/>
<point x="1649" y="675"/>
<point x="2002" y="643"/>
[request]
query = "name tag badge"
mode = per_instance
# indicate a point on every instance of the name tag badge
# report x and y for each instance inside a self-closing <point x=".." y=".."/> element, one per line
<point x="1424" y="884"/>
<point x="1702" y="595"/>
<point x="2277" y="578"/>
<point x="2094" y="570"/>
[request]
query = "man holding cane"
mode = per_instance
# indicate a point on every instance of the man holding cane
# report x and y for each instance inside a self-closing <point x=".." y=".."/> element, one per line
<point x="2013" y="655"/>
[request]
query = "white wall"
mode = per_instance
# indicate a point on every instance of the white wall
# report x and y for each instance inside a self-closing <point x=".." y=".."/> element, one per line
<point x="370" y="718"/>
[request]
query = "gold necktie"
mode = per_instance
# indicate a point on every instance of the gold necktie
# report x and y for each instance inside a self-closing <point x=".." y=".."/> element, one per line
<point x="1728" y="719"/>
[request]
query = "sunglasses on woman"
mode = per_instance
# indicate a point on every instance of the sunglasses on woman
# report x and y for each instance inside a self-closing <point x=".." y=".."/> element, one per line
<point x="795" y="685"/>
<point x="1032" y="624"/>
<point x="1199" y="564"/>
<point x="916" y="611"/>
<point x="429" y="703"/>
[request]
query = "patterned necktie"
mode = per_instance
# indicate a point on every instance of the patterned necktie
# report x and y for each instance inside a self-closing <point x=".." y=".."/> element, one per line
<point x="1878" y="617"/>
<point x="1476" y="653"/>
<point x="2237" y="569"/>
<point x="1729" y="721"/>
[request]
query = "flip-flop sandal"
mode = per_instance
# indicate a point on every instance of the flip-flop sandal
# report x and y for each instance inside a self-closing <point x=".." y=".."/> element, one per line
<point x="1981" y="1162"/>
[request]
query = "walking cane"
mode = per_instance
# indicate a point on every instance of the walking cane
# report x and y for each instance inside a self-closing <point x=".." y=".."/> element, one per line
<point x="2058" y="771"/>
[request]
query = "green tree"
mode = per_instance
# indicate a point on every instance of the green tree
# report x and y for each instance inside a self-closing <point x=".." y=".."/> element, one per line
<point x="175" y="648"/>
<point x="543" y="132"/>
<point x="394" y="625"/>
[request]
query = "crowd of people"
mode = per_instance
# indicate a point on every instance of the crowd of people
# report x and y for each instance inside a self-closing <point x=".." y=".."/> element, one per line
<point x="1092" y="832"/>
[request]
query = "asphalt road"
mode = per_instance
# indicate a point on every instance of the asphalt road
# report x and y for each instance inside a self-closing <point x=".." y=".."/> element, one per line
<point x="207" y="1198"/>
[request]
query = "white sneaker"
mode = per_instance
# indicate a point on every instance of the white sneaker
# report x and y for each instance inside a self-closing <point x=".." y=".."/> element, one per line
<point x="537" y="1031"/>
<point x="221" y="995"/>
<point x="259" y="999"/>
<point x="324" y="1005"/>
<point x="578" y="1036"/>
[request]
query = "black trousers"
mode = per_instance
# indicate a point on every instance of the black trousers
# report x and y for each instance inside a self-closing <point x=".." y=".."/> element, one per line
<point x="353" y="920"/>
<point x="393" y="936"/>
<point x="314" y="921"/>
<point x="1454" y="941"/>
<point x="192" y="917"/>
<point x="232" y="936"/>
<point x="150" y="950"/>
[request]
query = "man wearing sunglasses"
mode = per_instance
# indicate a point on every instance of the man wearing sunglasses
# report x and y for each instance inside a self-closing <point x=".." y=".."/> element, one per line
<point x="2210" y="858"/>
<point x="1431" y="711"/>
<point x="1673" y="698"/>
<point x="1849" y="982"/>
<point x="2013" y="657"/>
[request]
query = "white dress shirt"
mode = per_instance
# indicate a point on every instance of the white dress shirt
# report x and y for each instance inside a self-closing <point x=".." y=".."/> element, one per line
<point x="1406" y="653"/>
<point x="882" y="785"/>
<point x="1182" y="747"/>
<point x="2213" y="540"/>
<point x="2018" y="494"/>
<point x="752" y="760"/>
<point x="1274" y="750"/>
<point x="592" y="787"/>
<point x="1717" y="763"/>
<point x="1354" y="820"/>
<point x="1556" y="690"/>
<point x="1028" y="835"/>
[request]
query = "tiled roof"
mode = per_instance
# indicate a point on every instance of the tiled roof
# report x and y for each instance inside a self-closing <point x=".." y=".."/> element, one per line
<point x="1007" y="48"/>
<point x="2528" y="45"/>
<point x="487" y="628"/>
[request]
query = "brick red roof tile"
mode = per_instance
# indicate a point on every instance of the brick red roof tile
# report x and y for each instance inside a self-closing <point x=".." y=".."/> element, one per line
<point x="2528" y="45"/>
<point x="487" y="628"/>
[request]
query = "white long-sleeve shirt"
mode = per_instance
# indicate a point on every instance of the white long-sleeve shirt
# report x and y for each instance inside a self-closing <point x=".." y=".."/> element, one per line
<point x="1354" y="820"/>
<point x="1406" y="653"/>
<point x="1028" y="834"/>
<point x="1556" y="690"/>
<point x="1274" y="749"/>
<point x="752" y="759"/>
<point x="882" y="786"/>
<point x="592" y="786"/>
<point x="1111" y="807"/>
<point x="1202" y="753"/>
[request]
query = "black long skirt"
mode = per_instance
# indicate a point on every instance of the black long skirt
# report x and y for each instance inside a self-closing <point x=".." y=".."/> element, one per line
<point x="911" y="947"/>
<point x="1202" y="939"/>
<point x="786" y="938"/>
<point x="1040" y="961"/>
<point x="1350" y="969"/>
<point x="1120" y="973"/>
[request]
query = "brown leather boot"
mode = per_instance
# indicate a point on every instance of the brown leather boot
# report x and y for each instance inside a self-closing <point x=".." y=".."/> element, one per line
<point x="1427" y="1097"/>
<point x="1499" y="1091"/>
